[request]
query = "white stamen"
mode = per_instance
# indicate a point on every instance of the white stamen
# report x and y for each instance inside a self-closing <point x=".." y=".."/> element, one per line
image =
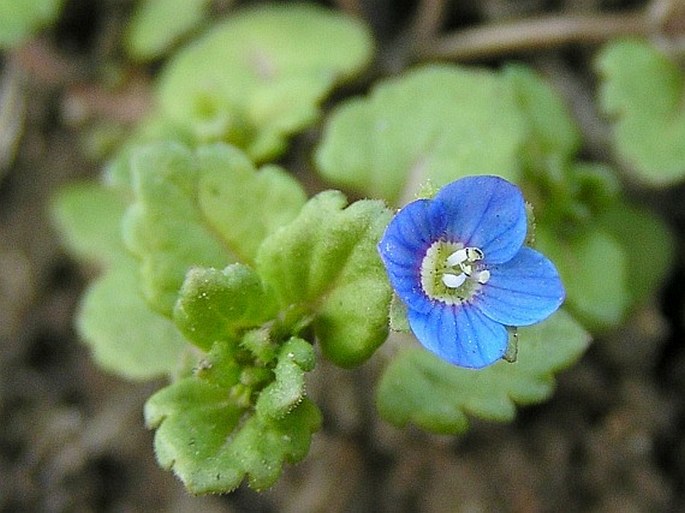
<point x="483" y="277"/>
<point x="474" y="254"/>
<point x="453" y="281"/>
<point x="466" y="269"/>
<point x="457" y="257"/>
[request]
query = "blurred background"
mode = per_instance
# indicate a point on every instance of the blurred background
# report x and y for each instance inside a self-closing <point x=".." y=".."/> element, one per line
<point x="72" y="437"/>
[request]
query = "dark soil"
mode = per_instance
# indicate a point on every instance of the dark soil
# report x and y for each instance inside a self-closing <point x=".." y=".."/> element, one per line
<point x="72" y="437"/>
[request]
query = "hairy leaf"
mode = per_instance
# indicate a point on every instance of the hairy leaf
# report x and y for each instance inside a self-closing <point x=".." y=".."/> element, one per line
<point x="325" y="262"/>
<point x="420" y="388"/>
<point x="211" y="436"/>
<point x="437" y="123"/>
<point x="642" y="91"/>
<point x="286" y="392"/>
<point x="217" y="305"/>
<point x="208" y="208"/>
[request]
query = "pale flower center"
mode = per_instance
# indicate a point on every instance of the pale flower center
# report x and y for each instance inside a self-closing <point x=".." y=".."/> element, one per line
<point x="452" y="273"/>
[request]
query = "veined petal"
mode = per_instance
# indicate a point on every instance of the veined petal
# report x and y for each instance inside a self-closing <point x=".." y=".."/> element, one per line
<point x="403" y="247"/>
<point x="416" y="226"/>
<point x="485" y="212"/>
<point x="461" y="335"/>
<point x="522" y="291"/>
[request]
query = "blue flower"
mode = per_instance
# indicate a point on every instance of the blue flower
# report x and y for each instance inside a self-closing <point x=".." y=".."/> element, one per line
<point x="458" y="263"/>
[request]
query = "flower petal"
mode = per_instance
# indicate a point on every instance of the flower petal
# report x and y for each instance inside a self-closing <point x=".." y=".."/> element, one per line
<point x="403" y="247"/>
<point x="522" y="291"/>
<point x="461" y="335"/>
<point x="486" y="212"/>
<point x="418" y="224"/>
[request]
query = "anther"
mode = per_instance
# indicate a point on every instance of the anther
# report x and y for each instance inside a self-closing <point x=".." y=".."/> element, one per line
<point x="457" y="257"/>
<point x="453" y="281"/>
<point x="474" y="254"/>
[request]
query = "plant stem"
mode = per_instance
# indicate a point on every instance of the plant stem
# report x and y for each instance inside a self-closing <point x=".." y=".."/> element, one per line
<point x="535" y="34"/>
<point x="428" y="19"/>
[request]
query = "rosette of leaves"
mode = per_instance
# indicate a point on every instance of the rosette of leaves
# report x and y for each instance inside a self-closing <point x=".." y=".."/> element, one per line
<point x="243" y="412"/>
<point x="242" y="275"/>
<point x="258" y="77"/>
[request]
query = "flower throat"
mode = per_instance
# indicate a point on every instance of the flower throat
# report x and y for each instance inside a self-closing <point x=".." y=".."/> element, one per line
<point x="451" y="273"/>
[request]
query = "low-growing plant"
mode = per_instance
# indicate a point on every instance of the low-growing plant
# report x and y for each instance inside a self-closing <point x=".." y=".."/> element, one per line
<point x="219" y="272"/>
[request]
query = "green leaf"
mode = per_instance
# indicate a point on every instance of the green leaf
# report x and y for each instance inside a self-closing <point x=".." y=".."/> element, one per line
<point x="569" y="196"/>
<point x="642" y="91"/>
<point x="19" y="19"/>
<point x="420" y="388"/>
<point x="648" y="244"/>
<point x="213" y="439"/>
<point x="207" y="208"/>
<point x="156" y="25"/>
<point x="551" y="130"/>
<point x="217" y="305"/>
<point x="88" y="217"/>
<point x="594" y="269"/>
<point x="287" y="390"/>
<point x="125" y="336"/>
<point x="595" y="186"/>
<point x="114" y="320"/>
<point x="260" y="76"/>
<point x="325" y="262"/>
<point x="117" y="171"/>
<point x="437" y="123"/>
